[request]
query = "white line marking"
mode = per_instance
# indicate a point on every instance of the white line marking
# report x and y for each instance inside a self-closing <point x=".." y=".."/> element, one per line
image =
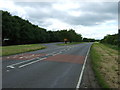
<point x="10" y="66"/>
<point x="56" y="54"/>
<point x="68" y="49"/>
<point x="31" y="62"/>
<point x="50" y="53"/>
<point x="20" y="62"/>
<point x="60" y="51"/>
<point x="8" y="70"/>
<point x="80" y="78"/>
<point x="37" y="60"/>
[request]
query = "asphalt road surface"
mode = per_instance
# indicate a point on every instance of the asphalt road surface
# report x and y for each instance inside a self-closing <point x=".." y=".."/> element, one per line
<point x="53" y="67"/>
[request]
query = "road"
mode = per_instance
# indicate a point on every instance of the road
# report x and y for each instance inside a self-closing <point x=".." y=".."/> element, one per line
<point x="53" y="67"/>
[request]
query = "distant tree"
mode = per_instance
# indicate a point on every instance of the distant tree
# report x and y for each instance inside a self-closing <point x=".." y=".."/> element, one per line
<point x="110" y="39"/>
<point x="88" y="40"/>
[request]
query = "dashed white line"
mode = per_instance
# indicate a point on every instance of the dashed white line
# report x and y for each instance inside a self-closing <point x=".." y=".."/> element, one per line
<point x="50" y="53"/>
<point x="8" y="70"/>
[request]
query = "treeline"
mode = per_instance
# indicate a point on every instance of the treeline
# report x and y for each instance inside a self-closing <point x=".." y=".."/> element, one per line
<point x="89" y="40"/>
<point x="16" y="30"/>
<point x="111" y="39"/>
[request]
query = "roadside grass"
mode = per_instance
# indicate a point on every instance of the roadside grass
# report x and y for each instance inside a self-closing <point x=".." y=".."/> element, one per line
<point x="105" y="65"/>
<point x="112" y="46"/>
<point x="63" y="44"/>
<point x="15" y="49"/>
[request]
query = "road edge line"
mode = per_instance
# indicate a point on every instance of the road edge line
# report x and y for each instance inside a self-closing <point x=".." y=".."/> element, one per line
<point x="82" y="71"/>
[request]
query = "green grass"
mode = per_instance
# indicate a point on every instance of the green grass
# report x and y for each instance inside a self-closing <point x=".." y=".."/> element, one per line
<point x="95" y="59"/>
<point x="115" y="47"/>
<point x="15" y="49"/>
<point x="63" y="44"/>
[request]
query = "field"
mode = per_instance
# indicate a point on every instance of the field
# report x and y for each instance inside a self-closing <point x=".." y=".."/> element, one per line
<point x="105" y="64"/>
<point x="15" y="49"/>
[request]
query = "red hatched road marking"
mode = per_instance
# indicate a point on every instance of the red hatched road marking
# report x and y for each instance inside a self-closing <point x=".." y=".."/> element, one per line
<point x="67" y="58"/>
<point x="22" y="57"/>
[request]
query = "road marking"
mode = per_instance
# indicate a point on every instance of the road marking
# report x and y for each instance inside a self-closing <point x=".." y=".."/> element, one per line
<point x="57" y="53"/>
<point x="31" y="62"/>
<point x="50" y="53"/>
<point x="81" y="74"/>
<point x="68" y="49"/>
<point x="8" y="70"/>
<point x="20" y="62"/>
<point x="11" y="66"/>
<point x="37" y="60"/>
<point x="53" y="54"/>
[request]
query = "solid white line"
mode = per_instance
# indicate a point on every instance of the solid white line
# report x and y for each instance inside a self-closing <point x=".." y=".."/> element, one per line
<point x="31" y="62"/>
<point x="20" y="62"/>
<point x="80" y="78"/>
<point x="36" y="61"/>
<point x="12" y="65"/>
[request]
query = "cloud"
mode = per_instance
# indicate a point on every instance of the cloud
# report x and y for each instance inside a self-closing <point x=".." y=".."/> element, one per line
<point x="98" y="31"/>
<point x="92" y="13"/>
<point x="75" y="13"/>
<point x="84" y="17"/>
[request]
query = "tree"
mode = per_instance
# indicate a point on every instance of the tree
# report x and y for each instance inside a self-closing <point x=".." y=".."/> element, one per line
<point x="110" y="39"/>
<point x="20" y="31"/>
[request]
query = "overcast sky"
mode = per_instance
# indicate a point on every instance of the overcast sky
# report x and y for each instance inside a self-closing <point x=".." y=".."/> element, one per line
<point x="91" y="19"/>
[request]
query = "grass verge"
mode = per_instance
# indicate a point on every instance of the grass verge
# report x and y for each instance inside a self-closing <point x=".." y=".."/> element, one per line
<point x="63" y="44"/>
<point x="105" y="65"/>
<point x="15" y="49"/>
<point x="115" y="47"/>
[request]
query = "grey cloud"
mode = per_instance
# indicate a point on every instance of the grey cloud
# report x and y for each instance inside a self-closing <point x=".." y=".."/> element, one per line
<point x="92" y="13"/>
<point x="105" y="7"/>
<point x="34" y="4"/>
<point x="95" y="13"/>
<point x="89" y="19"/>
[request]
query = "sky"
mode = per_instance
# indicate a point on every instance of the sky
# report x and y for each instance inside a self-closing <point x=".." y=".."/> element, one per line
<point x="90" y="19"/>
